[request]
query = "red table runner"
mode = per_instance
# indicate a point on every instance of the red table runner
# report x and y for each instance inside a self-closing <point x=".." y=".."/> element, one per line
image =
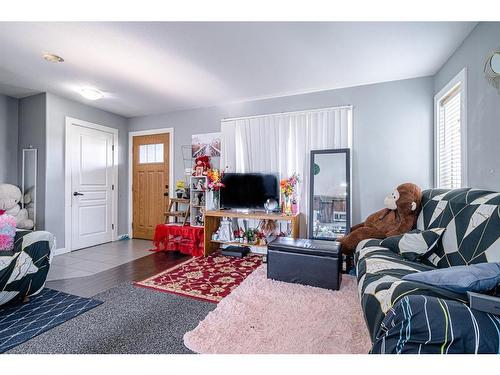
<point x="183" y="238"/>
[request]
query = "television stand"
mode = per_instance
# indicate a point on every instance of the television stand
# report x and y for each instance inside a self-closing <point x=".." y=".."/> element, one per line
<point x="213" y="218"/>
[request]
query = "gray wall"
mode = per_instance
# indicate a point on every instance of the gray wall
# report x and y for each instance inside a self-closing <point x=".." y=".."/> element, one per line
<point x="483" y="104"/>
<point x="32" y="127"/>
<point x="393" y="132"/>
<point x="57" y="110"/>
<point x="8" y="139"/>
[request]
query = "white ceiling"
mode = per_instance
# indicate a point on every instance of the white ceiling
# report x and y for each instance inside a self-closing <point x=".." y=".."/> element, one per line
<point x="153" y="67"/>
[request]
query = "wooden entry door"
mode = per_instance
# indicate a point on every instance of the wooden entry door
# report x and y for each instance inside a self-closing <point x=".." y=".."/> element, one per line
<point x="149" y="183"/>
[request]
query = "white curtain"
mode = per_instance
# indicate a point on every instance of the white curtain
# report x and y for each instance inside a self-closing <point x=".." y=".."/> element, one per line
<point x="281" y="143"/>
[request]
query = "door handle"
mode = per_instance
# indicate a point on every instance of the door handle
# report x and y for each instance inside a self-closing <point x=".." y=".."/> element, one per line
<point x="77" y="193"/>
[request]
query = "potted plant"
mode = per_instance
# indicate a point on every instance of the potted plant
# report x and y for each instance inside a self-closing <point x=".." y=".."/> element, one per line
<point x="180" y="187"/>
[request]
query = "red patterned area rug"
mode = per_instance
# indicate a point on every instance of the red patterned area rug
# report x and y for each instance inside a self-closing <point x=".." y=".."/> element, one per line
<point x="208" y="279"/>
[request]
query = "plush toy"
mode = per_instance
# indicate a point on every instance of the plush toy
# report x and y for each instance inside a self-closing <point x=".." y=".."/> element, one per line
<point x="29" y="204"/>
<point x="10" y="196"/>
<point x="399" y="216"/>
<point x="201" y="162"/>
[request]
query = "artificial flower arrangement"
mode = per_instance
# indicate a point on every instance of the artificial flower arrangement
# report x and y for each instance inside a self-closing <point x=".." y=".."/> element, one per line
<point x="215" y="179"/>
<point x="287" y="188"/>
<point x="214" y="184"/>
<point x="287" y="185"/>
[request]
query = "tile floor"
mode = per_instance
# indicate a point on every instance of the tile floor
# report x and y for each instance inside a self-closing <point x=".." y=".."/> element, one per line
<point x="92" y="260"/>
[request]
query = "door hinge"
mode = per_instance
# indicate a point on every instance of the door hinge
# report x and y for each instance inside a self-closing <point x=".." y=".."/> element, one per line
<point x="112" y="226"/>
<point x="113" y="187"/>
<point x="112" y="147"/>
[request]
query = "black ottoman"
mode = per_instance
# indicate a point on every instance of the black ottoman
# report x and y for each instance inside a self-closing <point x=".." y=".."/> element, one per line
<point x="310" y="262"/>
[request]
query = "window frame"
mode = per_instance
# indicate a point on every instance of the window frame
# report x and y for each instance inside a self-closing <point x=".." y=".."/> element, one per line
<point x="459" y="79"/>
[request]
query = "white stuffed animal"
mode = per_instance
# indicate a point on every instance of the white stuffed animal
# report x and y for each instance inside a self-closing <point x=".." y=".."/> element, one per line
<point x="10" y="196"/>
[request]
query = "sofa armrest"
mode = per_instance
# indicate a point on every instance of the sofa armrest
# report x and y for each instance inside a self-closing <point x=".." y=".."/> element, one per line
<point x="423" y="324"/>
<point x="371" y="242"/>
<point x="18" y="239"/>
<point x="36" y="243"/>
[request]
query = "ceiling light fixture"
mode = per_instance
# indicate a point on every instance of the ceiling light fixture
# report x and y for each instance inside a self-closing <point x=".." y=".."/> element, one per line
<point x="53" y="58"/>
<point x="91" y="94"/>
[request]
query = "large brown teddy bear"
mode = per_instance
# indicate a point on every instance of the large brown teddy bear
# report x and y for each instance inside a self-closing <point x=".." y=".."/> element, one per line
<point x="399" y="216"/>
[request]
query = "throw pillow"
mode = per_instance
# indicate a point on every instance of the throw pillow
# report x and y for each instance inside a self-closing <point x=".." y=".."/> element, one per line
<point x="414" y="245"/>
<point x="481" y="277"/>
<point x="7" y="232"/>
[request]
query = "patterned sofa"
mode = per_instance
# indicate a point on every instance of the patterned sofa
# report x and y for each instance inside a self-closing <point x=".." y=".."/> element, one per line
<point x="23" y="271"/>
<point x="410" y="317"/>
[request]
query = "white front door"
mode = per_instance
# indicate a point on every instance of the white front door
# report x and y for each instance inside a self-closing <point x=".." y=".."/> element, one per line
<point x="91" y="162"/>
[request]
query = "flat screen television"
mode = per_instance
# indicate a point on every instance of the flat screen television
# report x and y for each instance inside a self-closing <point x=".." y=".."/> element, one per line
<point x="248" y="190"/>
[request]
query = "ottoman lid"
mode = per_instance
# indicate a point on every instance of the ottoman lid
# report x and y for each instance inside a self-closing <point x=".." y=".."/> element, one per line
<point x="305" y="246"/>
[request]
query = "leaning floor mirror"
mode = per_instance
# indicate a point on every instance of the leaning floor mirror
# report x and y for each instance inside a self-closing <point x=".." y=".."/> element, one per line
<point x="330" y="186"/>
<point x="29" y="182"/>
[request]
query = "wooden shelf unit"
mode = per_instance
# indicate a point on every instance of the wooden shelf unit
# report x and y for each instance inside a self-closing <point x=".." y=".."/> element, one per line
<point x="175" y="211"/>
<point x="212" y="221"/>
<point x="236" y="243"/>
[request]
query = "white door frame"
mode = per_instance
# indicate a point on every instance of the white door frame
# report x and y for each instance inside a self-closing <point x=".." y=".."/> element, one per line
<point x="67" y="189"/>
<point x="133" y="134"/>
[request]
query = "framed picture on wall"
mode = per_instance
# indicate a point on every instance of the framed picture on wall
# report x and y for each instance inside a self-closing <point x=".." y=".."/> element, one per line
<point x="206" y="145"/>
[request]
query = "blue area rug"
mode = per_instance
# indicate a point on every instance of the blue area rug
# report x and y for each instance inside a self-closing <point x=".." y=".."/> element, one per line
<point x="21" y="322"/>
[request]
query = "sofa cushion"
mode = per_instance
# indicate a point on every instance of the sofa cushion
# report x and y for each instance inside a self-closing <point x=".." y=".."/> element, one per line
<point x="413" y="245"/>
<point x="430" y="325"/>
<point x="380" y="275"/>
<point x="461" y="279"/>
<point x="472" y="221"/>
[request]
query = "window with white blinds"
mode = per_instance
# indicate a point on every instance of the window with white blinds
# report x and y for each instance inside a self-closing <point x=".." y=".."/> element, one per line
<point x="450" y="133"/>
<point x="449" y="141"/>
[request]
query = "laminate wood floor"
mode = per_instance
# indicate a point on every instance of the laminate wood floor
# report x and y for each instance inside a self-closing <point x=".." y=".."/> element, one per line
<point x="135" y="270"/>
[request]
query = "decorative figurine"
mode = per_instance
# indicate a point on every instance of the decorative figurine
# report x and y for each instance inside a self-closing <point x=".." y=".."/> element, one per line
<point x="226" y="230"/>
<point x="199" y="185"/>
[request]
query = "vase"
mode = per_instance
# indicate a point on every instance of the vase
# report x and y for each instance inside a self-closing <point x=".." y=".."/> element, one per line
<point x="216" y="200"/>
<point x="287" y="205"/>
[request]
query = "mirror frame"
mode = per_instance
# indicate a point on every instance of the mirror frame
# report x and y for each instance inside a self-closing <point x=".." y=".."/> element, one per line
<point x="497" y="54"/>
<point x="347" y="152"/>
<point x="25" y="151"/>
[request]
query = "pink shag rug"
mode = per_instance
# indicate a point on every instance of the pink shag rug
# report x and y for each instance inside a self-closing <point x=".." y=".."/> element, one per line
<point x="267" y="316"/>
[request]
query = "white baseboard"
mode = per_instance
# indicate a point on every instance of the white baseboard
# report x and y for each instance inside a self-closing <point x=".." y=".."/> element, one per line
<point x="61" y="251"/>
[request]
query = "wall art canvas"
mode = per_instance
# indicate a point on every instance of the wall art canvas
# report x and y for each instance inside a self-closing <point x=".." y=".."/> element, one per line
<point x="206" y="144"/>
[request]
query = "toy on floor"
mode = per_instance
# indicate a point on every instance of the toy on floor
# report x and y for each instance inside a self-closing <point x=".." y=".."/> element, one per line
<point x="399" y="216"/>
<point x="10" y="196"/>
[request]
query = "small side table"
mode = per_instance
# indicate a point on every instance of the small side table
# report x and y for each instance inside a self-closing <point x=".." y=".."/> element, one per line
<point x="183" y="238"/>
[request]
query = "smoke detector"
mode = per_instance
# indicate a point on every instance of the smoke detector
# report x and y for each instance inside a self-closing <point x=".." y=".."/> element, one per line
<point x="53" y="58"/>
